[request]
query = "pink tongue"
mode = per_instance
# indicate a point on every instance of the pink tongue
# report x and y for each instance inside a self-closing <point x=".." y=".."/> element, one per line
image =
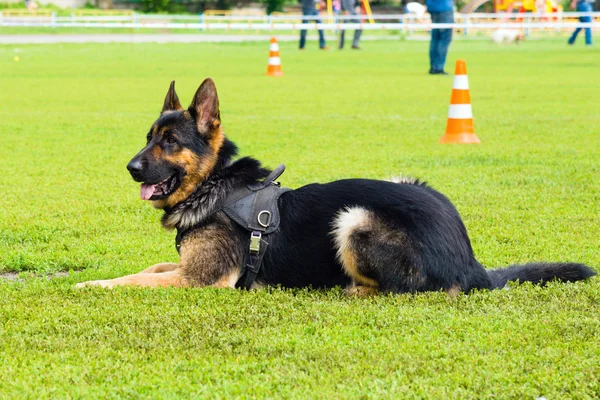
<point x="146" y="191"/>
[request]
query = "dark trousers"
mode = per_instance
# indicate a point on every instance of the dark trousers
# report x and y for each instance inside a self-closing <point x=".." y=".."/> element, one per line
<point x="357" y="34"/>
<point x="583" y="6"/>
<point x="440" y="40"/>
<point x="312" y="12"/>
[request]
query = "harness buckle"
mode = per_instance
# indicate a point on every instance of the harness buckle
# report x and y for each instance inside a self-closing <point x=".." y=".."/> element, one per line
<point x="255" y="238"/>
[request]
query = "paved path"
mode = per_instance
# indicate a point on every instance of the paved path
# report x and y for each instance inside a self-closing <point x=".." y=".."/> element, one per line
<point x="157" y="38"/>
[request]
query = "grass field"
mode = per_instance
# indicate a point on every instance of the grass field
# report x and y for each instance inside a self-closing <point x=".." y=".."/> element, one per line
<point x="73" y="115"/>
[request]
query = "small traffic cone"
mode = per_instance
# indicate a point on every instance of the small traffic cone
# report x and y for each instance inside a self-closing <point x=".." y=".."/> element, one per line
<point x="274" y="67"/>
<point x="459" y="128"/>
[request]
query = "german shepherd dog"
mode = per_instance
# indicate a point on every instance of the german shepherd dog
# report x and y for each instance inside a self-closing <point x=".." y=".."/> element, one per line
<point x="366" y="236"/>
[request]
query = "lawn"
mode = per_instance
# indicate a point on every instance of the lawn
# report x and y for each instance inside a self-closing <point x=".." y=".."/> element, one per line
<point x="73" y="115"/>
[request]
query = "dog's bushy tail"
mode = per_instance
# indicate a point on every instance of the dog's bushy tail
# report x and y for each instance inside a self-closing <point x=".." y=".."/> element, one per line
<point x="540" y="273"/>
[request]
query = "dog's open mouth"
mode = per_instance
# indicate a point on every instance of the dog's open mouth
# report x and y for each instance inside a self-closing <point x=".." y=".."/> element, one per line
<point x="159" y="190"/>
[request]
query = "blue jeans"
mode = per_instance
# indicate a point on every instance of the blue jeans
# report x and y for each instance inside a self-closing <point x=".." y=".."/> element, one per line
<point x="583" y="6"/>
<point x="440" y="40"/>
<point x="312" y="12"/>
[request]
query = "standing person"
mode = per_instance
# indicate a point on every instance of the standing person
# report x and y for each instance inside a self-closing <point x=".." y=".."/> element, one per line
<point x="582" y="6"/>
<point x="309" y="8"/>
<point x="441" y="11"/>
<point x="349" y="8"/>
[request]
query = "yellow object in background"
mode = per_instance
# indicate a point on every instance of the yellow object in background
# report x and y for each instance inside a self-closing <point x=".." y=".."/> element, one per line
<point x="368" y="10"/>
<point x="528" y="5"/>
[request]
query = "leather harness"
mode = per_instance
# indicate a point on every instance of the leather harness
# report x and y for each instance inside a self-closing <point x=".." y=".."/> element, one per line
<point x="254" y="207"/>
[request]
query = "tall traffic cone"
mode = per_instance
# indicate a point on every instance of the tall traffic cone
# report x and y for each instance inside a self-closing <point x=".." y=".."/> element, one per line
<point x="274" y="67"/>
<point x="459" y="128"/>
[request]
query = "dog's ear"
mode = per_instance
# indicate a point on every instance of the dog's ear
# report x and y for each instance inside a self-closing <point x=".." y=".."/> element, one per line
<point x="171" y="100"/>
<point x="205" y="107"/>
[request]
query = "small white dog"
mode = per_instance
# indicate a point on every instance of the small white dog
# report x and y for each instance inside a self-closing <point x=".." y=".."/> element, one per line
<point x="501" y="36"/>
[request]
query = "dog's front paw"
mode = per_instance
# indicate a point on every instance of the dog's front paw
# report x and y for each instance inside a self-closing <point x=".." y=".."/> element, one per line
<point x="105" y="284"/>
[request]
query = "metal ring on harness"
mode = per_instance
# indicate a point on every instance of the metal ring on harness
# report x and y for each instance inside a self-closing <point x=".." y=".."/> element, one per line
<point x="269" y="217"/>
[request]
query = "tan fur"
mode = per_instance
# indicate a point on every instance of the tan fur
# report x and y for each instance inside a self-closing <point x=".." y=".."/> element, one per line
<point x="157" y="152"/>
<point x="196" y="170"/>
<point x="160" y="279"/>
<point x="162" y="267"/>
<point x="346" y="223"/>
<point x="258" y="285"/>
<point x="353" y="220"/>
<point x="228" y="281"/>
<point x="453" y="291"/>
<point x="217" y="140"/>
<point x="362" y="291"/>
<point x="348" y="260"/>
<point x="212" y="254"/>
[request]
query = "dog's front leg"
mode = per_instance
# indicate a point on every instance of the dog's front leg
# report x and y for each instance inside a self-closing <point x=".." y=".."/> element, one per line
<point x="210" y="256"/>
<point x="159" y="279"/>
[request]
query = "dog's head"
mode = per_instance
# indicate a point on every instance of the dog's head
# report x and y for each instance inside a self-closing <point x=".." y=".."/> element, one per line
<point x="182" y="147"/>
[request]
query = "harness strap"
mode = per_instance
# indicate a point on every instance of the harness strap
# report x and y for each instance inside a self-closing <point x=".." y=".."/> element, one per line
<point x="252" y="262"/>
<point x="276" y="173"/>
<point x="261" y="217"/>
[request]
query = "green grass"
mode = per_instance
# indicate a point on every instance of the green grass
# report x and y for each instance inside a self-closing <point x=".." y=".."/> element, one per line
<point x="72" y="116"/>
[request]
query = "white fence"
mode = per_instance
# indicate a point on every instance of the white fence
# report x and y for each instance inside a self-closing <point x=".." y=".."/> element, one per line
<point x="399" y="22"/>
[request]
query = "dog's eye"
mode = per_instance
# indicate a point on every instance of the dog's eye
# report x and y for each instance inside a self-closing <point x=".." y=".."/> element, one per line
<point x="171" y="140"/>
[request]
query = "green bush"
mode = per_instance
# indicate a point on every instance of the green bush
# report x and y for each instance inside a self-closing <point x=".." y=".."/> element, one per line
<point x="156" y="6"/>
<point x="277" y="5"/>
<point x="274" y="5"/>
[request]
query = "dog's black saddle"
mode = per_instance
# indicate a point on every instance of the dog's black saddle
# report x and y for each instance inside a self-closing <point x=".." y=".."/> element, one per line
<point x="255" y="208"/>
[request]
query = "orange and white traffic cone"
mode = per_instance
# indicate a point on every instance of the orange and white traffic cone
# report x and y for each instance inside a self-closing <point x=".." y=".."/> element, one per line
<point x="459" y="128"/>
<point x="274" y="67"/>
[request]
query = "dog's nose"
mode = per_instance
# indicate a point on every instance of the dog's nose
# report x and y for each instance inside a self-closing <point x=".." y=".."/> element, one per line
<point x="135" y="166"/>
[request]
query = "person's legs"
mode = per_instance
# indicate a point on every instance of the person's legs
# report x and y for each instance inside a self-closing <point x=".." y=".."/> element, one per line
<point x="574" y="35"/>
<point x="445" y="37"/>
<point x="588" y="35"/>
<point x="357" y="34"/>
<point x="342" y="34"/>
<point x="322" y="43"/>
<point x="586" y="7"/>
<point x="315" y="13"/>
<point x="433" y="45"/>
<point x="303" y="31"/>
<point x="311" y="13"/>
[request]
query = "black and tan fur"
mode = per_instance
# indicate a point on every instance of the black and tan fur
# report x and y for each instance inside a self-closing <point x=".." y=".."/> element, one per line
<point x="367" y="236"/>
